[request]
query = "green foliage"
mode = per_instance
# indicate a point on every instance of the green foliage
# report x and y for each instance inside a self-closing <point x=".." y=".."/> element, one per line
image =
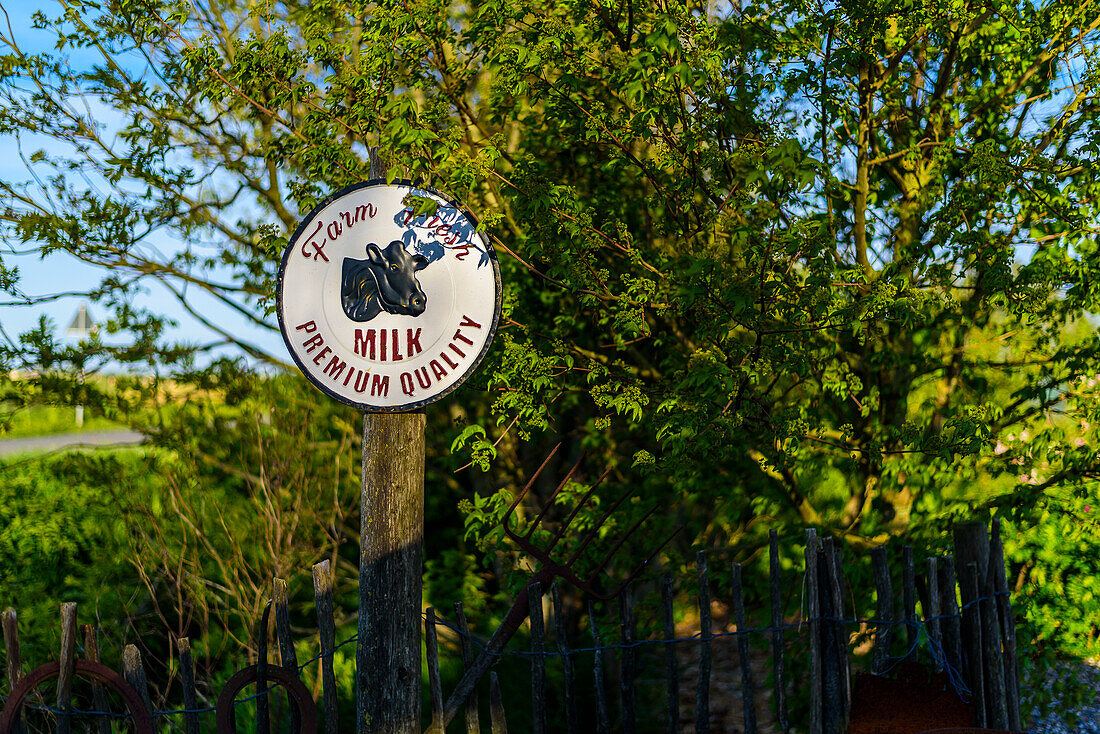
<point x="64" y="536"/>
<point x="769" y="265"/>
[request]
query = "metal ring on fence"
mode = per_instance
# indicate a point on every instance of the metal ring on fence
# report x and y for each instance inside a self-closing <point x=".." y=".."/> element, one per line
<point x="296" y="690"/>
<point x="143" y="720"/>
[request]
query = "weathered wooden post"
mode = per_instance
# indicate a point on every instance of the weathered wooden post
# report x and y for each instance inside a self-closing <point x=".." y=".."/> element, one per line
<point x="391" y="557"/>
<point x="388" y="299"/>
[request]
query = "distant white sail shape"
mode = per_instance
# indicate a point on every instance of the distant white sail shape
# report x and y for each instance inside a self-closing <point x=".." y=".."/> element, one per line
<point x="82" y="324"/>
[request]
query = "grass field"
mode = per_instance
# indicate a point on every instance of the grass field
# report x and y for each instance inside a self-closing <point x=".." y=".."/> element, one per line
<point x="45" y="420"/>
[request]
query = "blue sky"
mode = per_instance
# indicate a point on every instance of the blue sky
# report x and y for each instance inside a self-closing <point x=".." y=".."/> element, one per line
<point x="63" y="272"/>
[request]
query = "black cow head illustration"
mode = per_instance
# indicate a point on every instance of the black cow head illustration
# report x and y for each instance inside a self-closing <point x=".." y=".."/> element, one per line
<point x="385" y="281"/>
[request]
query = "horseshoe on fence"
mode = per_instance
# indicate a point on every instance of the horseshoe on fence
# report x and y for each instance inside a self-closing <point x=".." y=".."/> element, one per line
<point x="297" y="691"/>
<point x="143" y="720"/>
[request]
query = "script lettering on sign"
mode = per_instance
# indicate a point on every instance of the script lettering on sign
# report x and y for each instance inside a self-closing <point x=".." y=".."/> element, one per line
<point x="383" y="308"/>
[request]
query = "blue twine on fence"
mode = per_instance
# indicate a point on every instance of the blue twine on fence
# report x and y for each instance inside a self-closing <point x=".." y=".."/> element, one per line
<point x="935" y="650"/>
<point x="937" y="653"/>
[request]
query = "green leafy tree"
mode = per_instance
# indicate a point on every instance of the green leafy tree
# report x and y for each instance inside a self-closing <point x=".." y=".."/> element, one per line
<point x="772" y="263"/>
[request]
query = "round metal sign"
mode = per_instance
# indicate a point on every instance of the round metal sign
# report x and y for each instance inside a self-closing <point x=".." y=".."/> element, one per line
<point x="383" y="308"/>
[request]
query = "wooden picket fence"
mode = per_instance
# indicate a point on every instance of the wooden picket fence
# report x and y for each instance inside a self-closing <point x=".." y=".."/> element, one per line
<point x="965" y="632"/>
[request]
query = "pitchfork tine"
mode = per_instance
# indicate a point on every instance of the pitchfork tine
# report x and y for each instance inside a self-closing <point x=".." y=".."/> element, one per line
<point x="526" y="488"/>
<point x="596" y="528"/>
<point x="550" y="502"/>
<point x="623" y="539"/>
<point x="569" y="520"/>
<point x="642" y="565"/>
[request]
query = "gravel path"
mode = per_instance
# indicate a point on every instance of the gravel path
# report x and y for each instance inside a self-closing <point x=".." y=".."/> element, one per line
<point x="40" y="444"/>
<point x="1088" y="715"/>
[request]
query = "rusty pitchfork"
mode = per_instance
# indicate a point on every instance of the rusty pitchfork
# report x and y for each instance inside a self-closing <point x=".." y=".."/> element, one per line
<point x="549" y="568"/>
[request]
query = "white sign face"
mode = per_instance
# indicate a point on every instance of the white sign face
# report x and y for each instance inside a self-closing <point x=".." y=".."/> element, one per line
<point x="383" y="309"/>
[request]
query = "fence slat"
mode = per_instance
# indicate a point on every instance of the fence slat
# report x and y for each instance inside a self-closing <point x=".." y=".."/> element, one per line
<point x="1008" y="626"/>
<point x="187" y="677"/>
<point x="68" y="665"/>
<point x="568" y="669"/>
<point x="603" y="721"/>
<point x="830" y="657"/>
<point x="971" y="546"/>
<point x="949" y="612"/>
<point x="287" y="657"/>
<point x="134" y="672"/>
<point x="992" y="661"/>
<point x="932" y="613"/>
<point x="672" y="666"/>
<point x="978" y="638"/>
<point x="496" y="706"/>
<point x="263" y="697"/>
<point x="831" y="629"/>
<point x="748" y="686"/>
<point x="702" y="695"/>
<point x="778" y="652"/>
<point x="99" y="696"/>
<point x="326" y="633"/>
<point x="909" y="600"/>
<point x="884" y="610"/>
<point x="836" y="573"/>
<point x="972" y="639"/>
<point x="627" y="669"/>
<point x="10" y="623"/>
<point x="431" y="645"/>
<point x="472" y="724"/>
<point x="815" y="631"/>
<point x="538" y="658"/>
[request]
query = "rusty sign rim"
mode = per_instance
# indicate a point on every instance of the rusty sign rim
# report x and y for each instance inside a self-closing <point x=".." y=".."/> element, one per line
<point x="289" y="249"/>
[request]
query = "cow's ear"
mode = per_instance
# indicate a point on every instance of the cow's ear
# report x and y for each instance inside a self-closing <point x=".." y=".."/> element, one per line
<point x="419" y="262"/>
<point x="375" y="255"/>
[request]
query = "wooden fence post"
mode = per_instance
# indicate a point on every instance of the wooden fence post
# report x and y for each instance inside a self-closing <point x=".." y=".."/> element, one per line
<point x="1008" y="626"/>
<point x="190" y="694"/>
<point x="951" y="627"/>
<point x="472" y="725"/>
<point x="496" y="706"/>
<point x="778" y="647"/>
<point x="932" y="613"/>
<point x="68" y="665"/>
<point x="603" y="719"/>
<point x="538" y="658"/>
<point x="909" y="601"/>
<point x="391" y="560"/>
<point x="134" y="672"/>
<point x="814" y="613"/>
<point x="288" y="660"/>
<point x="326" y="633"/>
<point x="431" y="650"/>
<point x="99" y="696"/>
<point x="626" y="673"/>
<point x="884" y="610"/>
<point x="672" y="665"/>
<point x="748" y="685"/>
<point x="567" y="663"/>
<point x="834" y="642"/>
<point x="972" y="639"/>
<point x="702" y="693"/>
<point x="836" y="574"/>
<point x="15" y="660"/>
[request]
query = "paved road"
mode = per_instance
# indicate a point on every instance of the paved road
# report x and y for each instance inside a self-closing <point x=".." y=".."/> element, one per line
<point x="40" y="444"/>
